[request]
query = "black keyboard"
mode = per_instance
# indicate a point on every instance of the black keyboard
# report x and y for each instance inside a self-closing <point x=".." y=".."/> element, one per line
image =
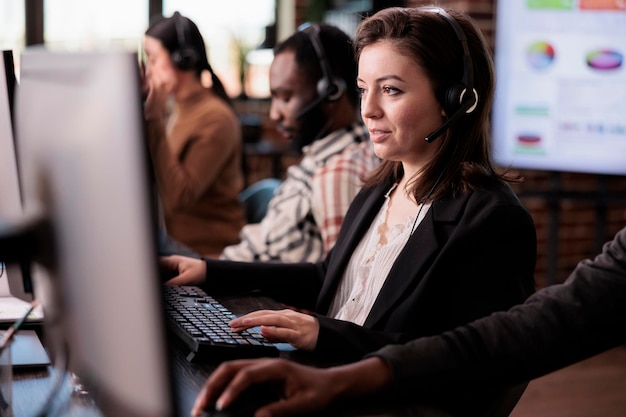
<point x="201" y="323"/>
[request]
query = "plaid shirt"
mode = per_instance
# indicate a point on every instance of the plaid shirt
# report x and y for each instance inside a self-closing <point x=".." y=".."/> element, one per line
<point x="306" y="212"/>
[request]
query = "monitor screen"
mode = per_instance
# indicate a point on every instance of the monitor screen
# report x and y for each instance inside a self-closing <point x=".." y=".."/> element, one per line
<point x="561" y="85"/>
<point x="83" y="165"/>
<point x="18" y="277"/>
<point x="10" y="202"/>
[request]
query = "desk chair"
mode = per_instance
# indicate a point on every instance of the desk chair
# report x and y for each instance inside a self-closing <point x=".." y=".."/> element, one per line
<point x="256" y="197"/>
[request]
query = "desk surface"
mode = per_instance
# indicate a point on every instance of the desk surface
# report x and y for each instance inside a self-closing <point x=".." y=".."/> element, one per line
<point x="32" y="387"/>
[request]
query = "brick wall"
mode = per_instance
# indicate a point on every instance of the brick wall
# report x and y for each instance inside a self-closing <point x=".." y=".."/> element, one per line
<point x="574" y="215"/>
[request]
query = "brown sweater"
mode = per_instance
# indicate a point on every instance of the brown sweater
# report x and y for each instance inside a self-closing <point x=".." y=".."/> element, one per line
<point x="198" y="172"/>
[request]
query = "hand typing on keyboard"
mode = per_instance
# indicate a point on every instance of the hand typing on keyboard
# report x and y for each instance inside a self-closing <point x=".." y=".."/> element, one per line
<point x="298" y="329"/>
<point x="203" y="324"/>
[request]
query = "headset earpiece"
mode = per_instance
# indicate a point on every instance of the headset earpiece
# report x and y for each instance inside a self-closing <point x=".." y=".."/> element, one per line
<point x="329" y="88"/>
<point x="185" y="57"/>
<point x="456" y="101"/>
<point x="332" y="89"/>
<point x="455" y="98"/>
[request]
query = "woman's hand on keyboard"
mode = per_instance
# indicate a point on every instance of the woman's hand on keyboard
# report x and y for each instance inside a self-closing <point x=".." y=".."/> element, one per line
<point x="285" y="326"/>
<point x="191" y="271"/>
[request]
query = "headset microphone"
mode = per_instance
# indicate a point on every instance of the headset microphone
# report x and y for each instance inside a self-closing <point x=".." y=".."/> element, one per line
<point x="310" y="107"/>
<point x="466" y="108"/>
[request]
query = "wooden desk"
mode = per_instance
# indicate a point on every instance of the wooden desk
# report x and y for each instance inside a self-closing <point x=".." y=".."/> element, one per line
<point x="31" y="388"/>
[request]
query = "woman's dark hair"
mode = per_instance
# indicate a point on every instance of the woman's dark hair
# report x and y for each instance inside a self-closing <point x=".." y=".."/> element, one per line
<point x="339" y="53"/>
<point x="175" y="30"/>
<point x="462" y="159"/>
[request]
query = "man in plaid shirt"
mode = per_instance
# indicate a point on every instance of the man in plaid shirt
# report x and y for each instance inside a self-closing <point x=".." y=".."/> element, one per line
<point x="315" y="105"/>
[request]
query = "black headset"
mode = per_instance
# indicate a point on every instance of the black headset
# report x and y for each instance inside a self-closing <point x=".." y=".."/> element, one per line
<point x="329" y="87"/>
<point x="456" y="103"/>
<point x="185" y="57"/>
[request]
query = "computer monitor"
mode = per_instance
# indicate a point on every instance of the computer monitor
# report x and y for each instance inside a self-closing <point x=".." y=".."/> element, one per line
<point x="561" y="88"/>
<point x="15" y="280"/>
<point x="10" y="203"/>
<point x="83" y="165"/>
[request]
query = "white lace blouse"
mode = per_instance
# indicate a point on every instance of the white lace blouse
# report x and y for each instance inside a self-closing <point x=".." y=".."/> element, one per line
<point x="370" y="264"/>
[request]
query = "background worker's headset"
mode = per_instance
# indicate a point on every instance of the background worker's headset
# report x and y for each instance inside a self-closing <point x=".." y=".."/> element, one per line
<point x="329" y="88"/>
<point x="185" y="57"/>
<point x="456" y="103"/>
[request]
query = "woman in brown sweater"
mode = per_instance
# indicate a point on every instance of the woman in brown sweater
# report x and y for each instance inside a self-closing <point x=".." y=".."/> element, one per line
<point x="194" y="139"/>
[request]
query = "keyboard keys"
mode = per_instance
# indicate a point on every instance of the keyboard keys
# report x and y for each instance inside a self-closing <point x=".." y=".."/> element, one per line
<point x="201" y="322"/>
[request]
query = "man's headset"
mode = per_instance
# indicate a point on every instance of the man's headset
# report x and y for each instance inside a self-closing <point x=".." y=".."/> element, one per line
<point x="456" y="102"/>
<point x="329" y="88"/>
<point x="185" y="57"/>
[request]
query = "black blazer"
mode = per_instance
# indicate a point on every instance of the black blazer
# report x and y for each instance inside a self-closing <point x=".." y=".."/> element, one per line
<point x="470" y="256"/>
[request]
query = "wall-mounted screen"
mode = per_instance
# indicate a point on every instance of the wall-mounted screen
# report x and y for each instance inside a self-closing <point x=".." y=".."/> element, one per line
<point x="561" y="90"/>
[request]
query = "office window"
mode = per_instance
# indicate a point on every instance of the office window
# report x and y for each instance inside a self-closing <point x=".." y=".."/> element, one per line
<point x="12" y="27"/>
<point x="87" y="25"/>
<point x="230" y="31"/>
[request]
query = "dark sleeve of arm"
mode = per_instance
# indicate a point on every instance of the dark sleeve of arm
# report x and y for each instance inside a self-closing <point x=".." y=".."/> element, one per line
<point x="556" y="327"/>
<point x="296" y="285"/>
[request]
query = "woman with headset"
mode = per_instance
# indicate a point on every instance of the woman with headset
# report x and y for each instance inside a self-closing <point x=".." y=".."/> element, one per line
<point x="194" y="138"/>
<point x="435" y="239"/>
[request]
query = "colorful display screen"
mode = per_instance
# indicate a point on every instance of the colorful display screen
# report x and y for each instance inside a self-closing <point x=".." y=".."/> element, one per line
<point x="561" y="85"/>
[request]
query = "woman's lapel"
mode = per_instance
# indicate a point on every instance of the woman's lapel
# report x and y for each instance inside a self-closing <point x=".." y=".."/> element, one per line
<point x="415" y="260"/>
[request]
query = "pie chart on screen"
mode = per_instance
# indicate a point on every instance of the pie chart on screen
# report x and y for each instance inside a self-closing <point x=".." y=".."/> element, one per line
<point x="540" y="55"/>
<point x="604" y="59"/>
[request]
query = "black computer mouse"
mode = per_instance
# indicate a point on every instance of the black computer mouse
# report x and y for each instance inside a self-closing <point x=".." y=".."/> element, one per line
<point x="248" y="401"/>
